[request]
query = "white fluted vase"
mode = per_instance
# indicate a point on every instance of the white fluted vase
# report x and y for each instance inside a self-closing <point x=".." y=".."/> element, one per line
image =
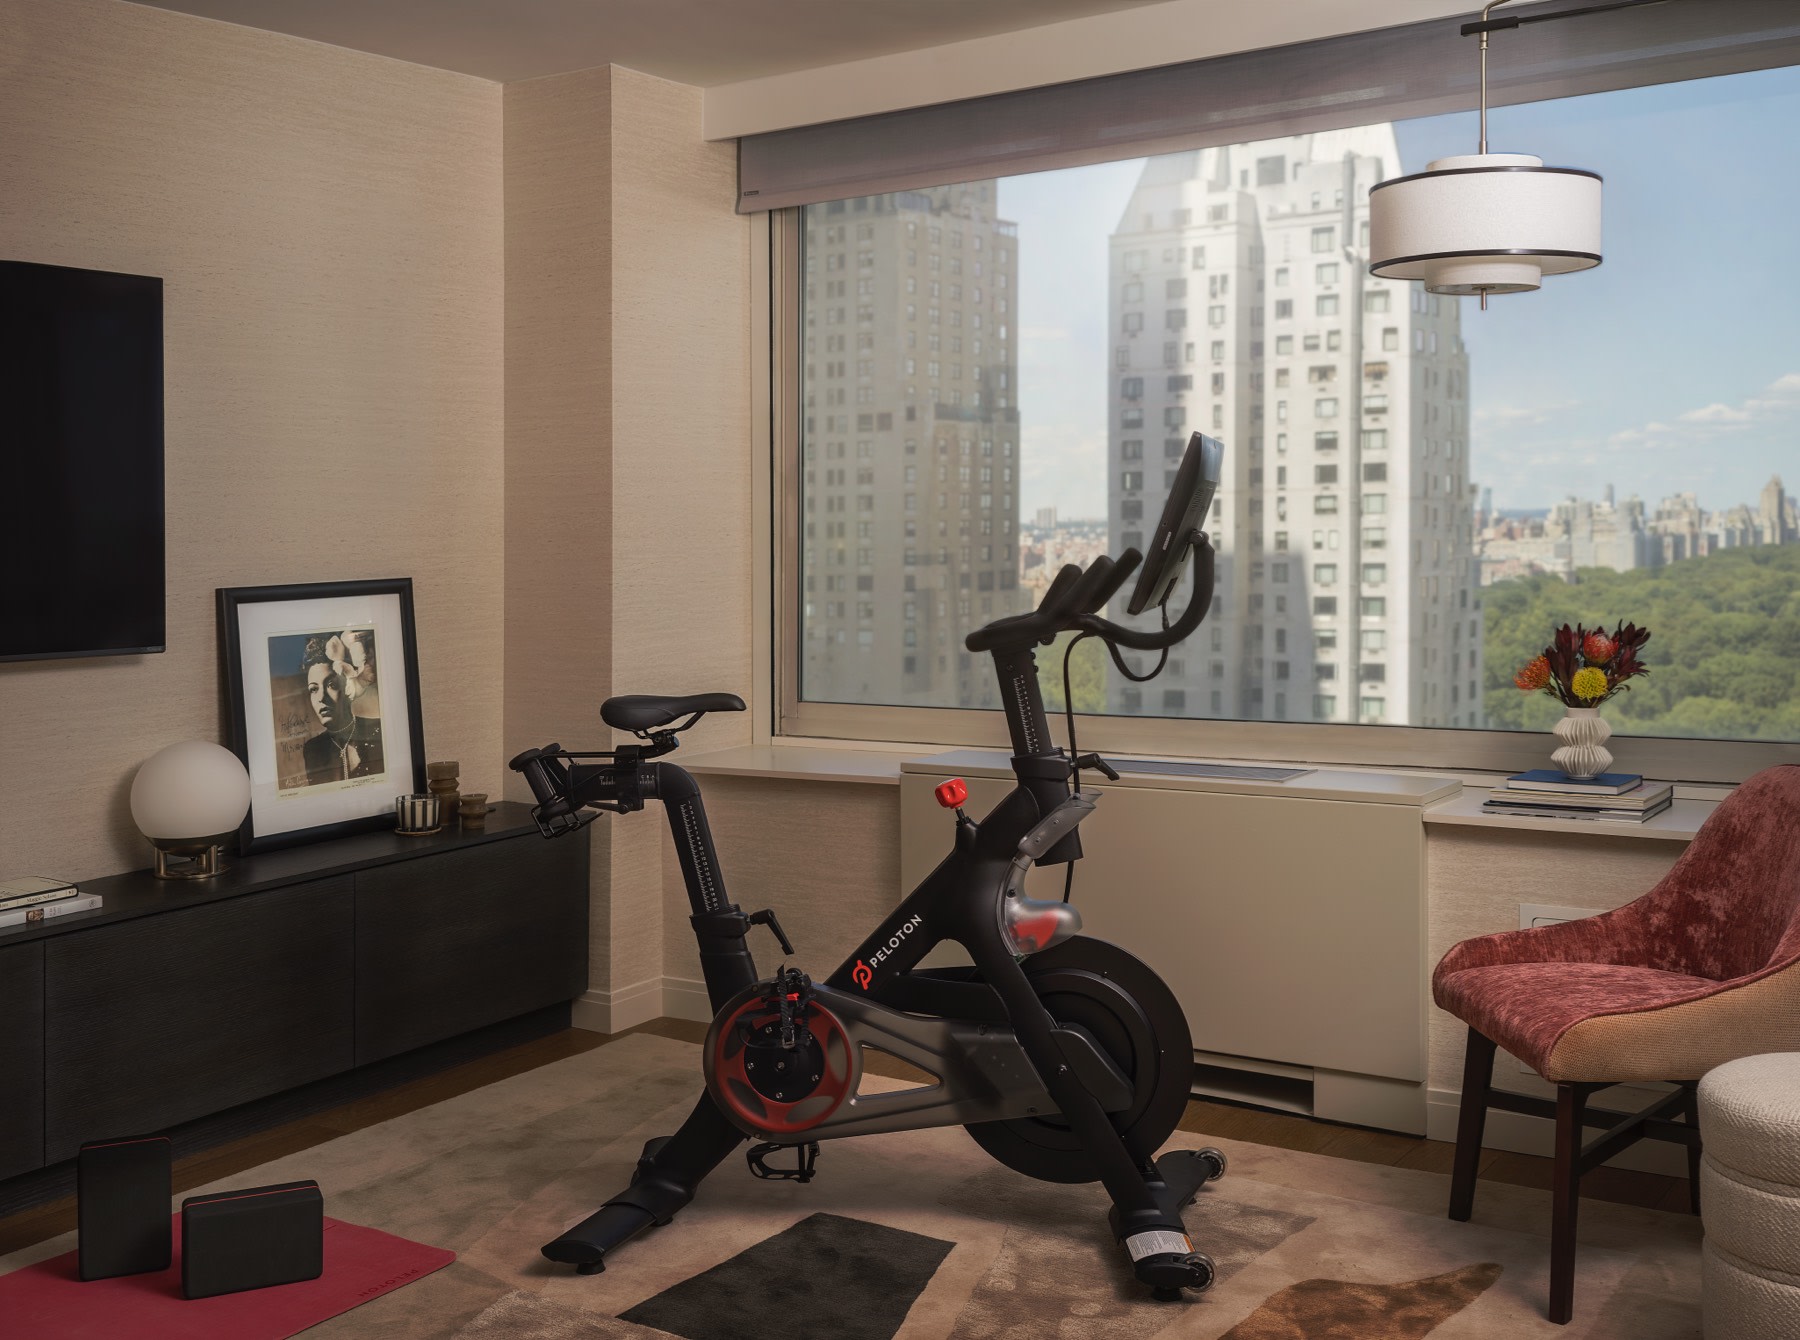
<point x="1583" y="734"/>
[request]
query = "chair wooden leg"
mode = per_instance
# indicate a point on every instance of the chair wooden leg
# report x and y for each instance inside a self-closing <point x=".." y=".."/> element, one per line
<point x="1691" y="1106"/>
<point x="1565" y="1200"/>
<point x="1471" y="1121"/>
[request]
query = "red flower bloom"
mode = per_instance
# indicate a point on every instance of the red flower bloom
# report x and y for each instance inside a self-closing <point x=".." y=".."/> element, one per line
<point x="1534" y="675"/>
<point x="1598" y="649"/>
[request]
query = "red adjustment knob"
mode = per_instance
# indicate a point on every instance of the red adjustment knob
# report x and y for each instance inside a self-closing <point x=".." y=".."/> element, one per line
<point x="952" y="793"/>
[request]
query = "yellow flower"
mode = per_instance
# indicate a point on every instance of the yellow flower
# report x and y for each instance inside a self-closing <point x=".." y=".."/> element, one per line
<point x="1589" y="684"/>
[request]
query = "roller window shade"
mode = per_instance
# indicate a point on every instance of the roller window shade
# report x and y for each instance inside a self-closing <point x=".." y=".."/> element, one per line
<point x="1419" y="69"/>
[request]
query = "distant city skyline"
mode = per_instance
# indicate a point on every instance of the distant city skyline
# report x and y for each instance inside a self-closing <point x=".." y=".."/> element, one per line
<point x="1709" y="404"/>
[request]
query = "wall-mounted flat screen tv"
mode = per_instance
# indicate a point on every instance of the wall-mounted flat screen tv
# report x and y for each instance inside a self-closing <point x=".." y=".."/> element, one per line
<point x="81" y="447"/>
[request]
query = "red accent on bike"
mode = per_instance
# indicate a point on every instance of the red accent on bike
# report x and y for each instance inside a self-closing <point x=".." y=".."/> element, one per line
<point x="952" y="793"/>
<point x="862" y="974"/>
<point x="1031" y="934"/>
<point x="793" y="995"/>
<point x="764" y="1116"/>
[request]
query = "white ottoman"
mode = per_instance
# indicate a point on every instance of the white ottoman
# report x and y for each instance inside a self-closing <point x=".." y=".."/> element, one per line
<point x="1750" y="1198"/>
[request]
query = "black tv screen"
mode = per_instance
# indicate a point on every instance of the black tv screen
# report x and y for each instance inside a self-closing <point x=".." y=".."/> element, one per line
<point x="81" y="444"/>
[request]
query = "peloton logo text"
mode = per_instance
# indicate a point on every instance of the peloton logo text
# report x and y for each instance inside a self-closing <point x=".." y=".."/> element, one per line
<point x="864" y="973"/>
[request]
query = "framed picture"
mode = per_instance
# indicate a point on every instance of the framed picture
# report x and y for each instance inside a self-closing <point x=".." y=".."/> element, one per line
<point x="322" y="704"/>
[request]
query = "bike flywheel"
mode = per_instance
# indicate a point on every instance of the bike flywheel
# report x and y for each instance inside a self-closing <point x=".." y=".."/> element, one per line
<point x="1134" y="1017"/>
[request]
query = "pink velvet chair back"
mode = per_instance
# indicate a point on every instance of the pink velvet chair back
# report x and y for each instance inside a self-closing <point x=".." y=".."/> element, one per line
<point x="1730" y="907"/>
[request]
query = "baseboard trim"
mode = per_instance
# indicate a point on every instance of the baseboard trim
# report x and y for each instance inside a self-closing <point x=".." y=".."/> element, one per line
<point x="616" y="1011"/>
<point x="685" y="998"/>
<point x="1517" y="1133"/>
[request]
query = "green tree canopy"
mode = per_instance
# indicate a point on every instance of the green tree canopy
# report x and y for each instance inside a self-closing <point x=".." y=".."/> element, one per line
<point x="1724" y="650"/>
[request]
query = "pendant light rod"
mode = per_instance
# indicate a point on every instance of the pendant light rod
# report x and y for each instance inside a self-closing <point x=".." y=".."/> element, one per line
<point x="1485" y="27"/>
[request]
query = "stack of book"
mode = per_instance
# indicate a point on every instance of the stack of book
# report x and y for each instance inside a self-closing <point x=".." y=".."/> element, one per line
<point x="35" y="898"/>
<point x="1612" y="797"/>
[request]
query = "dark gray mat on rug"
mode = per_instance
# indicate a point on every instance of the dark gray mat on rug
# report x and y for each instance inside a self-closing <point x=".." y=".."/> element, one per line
<point x="825" y="1276"/>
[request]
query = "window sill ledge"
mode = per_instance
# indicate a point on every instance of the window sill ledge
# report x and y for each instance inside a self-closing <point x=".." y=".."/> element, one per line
<point x="802" y="763"/>
<point x="882" y="765"/>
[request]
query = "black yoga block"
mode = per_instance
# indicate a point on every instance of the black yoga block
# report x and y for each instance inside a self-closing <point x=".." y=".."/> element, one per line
<point x="252" y="1238"/>
<point x="122" y="1191"/>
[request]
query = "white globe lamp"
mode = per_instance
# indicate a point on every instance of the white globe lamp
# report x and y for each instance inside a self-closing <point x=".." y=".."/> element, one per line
<point x="189" y="799"/>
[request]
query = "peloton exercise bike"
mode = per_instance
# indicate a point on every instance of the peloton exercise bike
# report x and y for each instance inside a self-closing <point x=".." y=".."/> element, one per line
<point x="1066" y="1058"/>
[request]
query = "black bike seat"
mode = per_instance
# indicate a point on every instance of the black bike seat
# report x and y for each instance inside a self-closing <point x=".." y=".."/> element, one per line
<point x="647" y="711"/>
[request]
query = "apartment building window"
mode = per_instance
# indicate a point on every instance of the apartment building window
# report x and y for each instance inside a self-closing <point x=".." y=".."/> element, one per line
<point x="1374" y="709"/>
<point x="1324" y="707"/>
<point x="1445" y="432"/>
<point x="1325" y="574"/>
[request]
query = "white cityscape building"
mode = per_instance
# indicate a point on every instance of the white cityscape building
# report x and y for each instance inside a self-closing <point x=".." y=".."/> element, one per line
<point x="1241" y="307"/>
<point x="1584" y="533"/>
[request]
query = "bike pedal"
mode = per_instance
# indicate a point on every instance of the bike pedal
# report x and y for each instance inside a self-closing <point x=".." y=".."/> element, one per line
<point x="805" y="1165"/>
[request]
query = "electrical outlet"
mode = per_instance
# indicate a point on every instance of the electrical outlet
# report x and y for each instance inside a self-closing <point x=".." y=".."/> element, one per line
<point x="1547" y="914"/>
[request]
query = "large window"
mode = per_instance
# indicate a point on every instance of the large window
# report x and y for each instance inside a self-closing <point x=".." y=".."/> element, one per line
<point x="1622" y="445"/>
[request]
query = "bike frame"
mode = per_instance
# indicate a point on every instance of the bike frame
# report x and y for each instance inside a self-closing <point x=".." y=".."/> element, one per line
<point x="988" y="1037"/>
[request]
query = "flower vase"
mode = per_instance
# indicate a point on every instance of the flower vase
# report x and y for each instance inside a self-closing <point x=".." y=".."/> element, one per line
<point x="1582" y="734"/>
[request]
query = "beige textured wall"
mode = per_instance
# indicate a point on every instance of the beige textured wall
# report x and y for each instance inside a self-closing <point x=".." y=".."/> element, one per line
<point x="628" y="443"/>
<point x="328" y="228"/>
<point x="824" y="855"/>
<point x="558" y="424"/>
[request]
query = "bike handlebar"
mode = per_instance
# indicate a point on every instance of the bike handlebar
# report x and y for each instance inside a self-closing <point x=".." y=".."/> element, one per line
<point x="1074" y="597"/>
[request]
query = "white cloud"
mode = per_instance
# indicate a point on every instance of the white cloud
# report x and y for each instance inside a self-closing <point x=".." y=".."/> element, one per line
<point x="1777" y="405"/>
<point x="1718" y="413"/>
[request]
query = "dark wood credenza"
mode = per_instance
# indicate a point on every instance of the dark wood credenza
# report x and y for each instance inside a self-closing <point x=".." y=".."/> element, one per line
<point x="178" y="1000"/>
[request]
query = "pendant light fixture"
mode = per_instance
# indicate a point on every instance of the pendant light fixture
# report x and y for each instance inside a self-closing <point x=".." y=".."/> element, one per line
<point x="1486" y="223"/>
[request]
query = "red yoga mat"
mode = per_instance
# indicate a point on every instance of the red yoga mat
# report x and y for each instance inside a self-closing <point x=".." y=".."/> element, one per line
<point x="48" y="1301"/>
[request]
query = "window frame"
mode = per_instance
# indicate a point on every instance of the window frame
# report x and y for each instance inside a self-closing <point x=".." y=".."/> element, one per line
<point x="778" y="639"/>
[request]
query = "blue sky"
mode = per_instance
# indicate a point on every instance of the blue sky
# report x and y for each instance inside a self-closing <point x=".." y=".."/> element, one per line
<point x="1674" y="366"/>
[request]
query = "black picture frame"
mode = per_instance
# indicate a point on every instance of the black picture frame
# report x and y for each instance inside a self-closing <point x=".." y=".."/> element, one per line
<point x="272" y="636"/>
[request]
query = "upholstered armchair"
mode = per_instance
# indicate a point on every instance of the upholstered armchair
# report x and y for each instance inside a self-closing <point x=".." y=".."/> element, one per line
<point x="1702" y="969"/>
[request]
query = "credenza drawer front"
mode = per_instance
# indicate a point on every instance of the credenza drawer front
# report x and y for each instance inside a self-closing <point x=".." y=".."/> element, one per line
<point x="467" y="938"/>
<point x="166" y="1018"/>
<point x="21" y="1058"/>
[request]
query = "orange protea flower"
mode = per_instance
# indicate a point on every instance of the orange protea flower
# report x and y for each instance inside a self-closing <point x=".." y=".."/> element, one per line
<point x="1598" y="649"/>
<point x="1534" y="676"/>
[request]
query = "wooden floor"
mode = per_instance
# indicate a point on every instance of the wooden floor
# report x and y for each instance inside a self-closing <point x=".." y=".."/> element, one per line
<point x="1232" y="1122"/>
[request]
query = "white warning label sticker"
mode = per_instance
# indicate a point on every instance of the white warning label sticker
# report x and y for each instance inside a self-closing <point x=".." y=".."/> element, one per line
<point x="1141" y="1245"/>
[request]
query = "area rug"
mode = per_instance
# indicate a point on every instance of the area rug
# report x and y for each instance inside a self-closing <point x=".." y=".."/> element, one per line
<point x="920" y="1236"/>
<point x="48" y="1300"/>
